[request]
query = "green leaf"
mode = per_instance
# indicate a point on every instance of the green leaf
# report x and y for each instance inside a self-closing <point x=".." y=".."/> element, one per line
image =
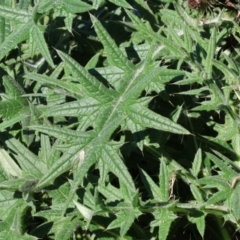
<point x="7" y="123"/>
<point x="116" y="166"/>
<point x="234" y="202"/>
<point x="20" y="34"/>
<point x="89" y="159"/>
<point x="63" y="164"/>
<point x="220" y="196"/>
<point x="187" y="39"/>
<point x="163" y="220"/>
<point x="75" y="6"/>
<point x="192" y="22"/>
<point x="29" y="162"/>
<point x="12" y="184"/>
<point x="11" y="108"/>
<point x="12" y="87"/>
<point x="92" y="87"/>
<point x="197" y="162"/>
<point x="138" y="135"/>
<point x="210" y="53"/>
<point x="230" y="75"/>
<point x="62" y="133"/>
<point x="151" y="186"/>
<point x="147" y="118"/>
<point x="9" y="165"/>
<point x="18" y="15"/>
<point x="124" y="220"/>
<point x="147" y="31"/>
<point x="196" y="193"/>
<point x="24" y="4"/>
<point x="121" y="3"/>
<point x="86" y="212"/>
<point x="226" y="171"/>
<point x="68" y="20"/>
<point x="199" y="220"/>
<point x="85" y="107"/>
<point x="68" y="86"/>
<point x="110" y="192"/>
<point x="4" y="23"/>
<point x="38" y="38"/>
<point x="13" y="235"/>
<point x="214" y="182"/>
<point x="164" y="179"/>
<point x="64" y="228"/>
<point x="115" y="56"/>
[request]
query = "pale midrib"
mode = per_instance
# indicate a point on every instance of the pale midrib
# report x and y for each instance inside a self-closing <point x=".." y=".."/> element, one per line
<point x="119" y="101"/>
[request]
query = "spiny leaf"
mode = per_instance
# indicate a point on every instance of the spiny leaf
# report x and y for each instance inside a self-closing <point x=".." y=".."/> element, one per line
<point x="196" y="193"/>
<point x="192" y="22"/>
<point x="197" y="162"/>
<point x="29" y="162"/>
<point x="122" y="3"/>
<point x="226" y="171"/>
<point x="18" y="15"/>
<point x="164" y="182"/>
<point x="65" y="227"/>
<point x="116" y="166"/>
<point x="38" y="38"/>
<point x="12" y="87"/>
<point x="11" y="108"/>
<point x="9" y="165"/>
<point x="75" y="6"/>
<point x="90" y="159"/>
<point x="234" y="202"/>
<point x="163" y="220"/>
<point x="62" y="133"/>
<point x="20" y="34"/>
<point x="210" y="53"/>
<point x="214" y="182"/>
<point x="146" y="31"/>
<point x="115" y="56"/>
<point x="92" y="87"/>
<point x="84" y="107"/>
<point x="124" y="220"/>
<point x="68" y="86"/>
<point x="147" y="118"/>
<point x="199" y="220"/>
<point x="16" y="118"/>
<point x="219" y="197"/>
<point x="86" y="212"/>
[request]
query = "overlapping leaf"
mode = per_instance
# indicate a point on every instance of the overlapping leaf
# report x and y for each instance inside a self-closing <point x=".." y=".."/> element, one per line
<point x="112" y="107"/>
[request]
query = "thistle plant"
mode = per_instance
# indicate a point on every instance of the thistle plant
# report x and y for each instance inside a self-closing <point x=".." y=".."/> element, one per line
<point x="119" y="120"/>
